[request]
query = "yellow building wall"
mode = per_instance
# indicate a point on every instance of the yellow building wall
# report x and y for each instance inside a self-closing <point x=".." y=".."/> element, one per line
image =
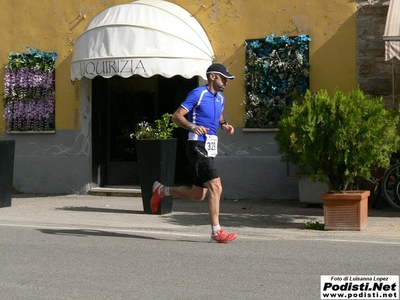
<point x="54" y="25"/>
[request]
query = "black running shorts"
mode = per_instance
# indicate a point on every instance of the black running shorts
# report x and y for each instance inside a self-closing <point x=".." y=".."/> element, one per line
<point x="203" y="166"/>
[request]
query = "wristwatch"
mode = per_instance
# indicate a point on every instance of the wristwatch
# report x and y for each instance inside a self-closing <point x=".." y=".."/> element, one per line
<point x="223" y="123"/>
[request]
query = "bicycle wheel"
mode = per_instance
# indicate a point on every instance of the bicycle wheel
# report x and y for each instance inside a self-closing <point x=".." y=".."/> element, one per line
<point x="391" y="186"/>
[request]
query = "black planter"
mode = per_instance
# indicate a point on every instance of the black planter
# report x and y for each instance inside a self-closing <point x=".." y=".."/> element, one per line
<point x="7" y="150"/>
<point x="156" y="161"/>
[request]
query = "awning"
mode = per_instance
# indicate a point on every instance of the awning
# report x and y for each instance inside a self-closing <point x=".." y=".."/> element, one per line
<point x="392" y="31"/>
<point x="145" y="37"/>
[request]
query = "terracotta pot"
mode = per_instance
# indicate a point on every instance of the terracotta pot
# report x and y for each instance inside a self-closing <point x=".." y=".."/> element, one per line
<point x="346" y="211"/>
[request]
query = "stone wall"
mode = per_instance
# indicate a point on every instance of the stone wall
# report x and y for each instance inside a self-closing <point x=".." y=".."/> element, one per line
<point x="376" y="76"/>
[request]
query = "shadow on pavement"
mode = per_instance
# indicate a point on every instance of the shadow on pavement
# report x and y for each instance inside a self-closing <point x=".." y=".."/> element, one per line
<point x="89" y="232"/>
<point x="101" y="233"/>
<point x="28" y="195"/>
<point x="100" y="210"/>
<point x="259" y="213"/>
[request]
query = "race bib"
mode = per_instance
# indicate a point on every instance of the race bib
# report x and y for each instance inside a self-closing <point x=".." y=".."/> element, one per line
<point x="211" y="145"/>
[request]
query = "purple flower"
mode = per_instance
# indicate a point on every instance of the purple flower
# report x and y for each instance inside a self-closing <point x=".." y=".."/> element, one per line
<point x="29" y="99"/>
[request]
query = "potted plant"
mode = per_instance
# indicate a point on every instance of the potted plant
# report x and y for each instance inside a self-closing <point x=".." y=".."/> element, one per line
<point x="156" y="154"/>
<point x="7" y="150"/>
<point x="338" y="139"/>
<point x="310" y="192"/>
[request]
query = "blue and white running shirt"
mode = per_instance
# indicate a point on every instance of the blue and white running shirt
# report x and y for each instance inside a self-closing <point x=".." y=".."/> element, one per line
<point x="204" y="109"/>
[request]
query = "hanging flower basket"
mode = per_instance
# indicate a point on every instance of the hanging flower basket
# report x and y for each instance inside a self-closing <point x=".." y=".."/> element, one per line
<point x="29" y="91"/>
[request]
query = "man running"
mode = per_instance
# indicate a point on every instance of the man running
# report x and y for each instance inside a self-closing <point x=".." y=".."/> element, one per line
<point x="204" y="109"/>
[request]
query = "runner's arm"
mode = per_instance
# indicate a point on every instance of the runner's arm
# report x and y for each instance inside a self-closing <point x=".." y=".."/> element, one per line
<point x="225" y="126"/>
<point x="179" y="119"/>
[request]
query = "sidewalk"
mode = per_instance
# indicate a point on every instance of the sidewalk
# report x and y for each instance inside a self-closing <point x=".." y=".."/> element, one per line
<point x="258" y="218"/>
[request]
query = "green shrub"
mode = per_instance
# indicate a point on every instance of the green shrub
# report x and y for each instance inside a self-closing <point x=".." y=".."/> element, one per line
<point x="161" y="130"/>
<point x="338" y="138"/>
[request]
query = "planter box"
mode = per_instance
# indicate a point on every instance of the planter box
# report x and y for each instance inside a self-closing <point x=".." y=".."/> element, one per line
<point x="346" y="211"/>
<point x="310" y="192"/>
<point x="7" y="150"/>
<point x="156" y="161"/>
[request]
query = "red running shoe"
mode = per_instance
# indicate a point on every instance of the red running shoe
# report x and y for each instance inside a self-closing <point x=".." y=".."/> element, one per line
<point x="221" y="237"/>
<point x="156" y="198"/>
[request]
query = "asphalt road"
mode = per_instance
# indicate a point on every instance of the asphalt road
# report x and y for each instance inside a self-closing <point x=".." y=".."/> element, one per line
<point x="80" y="262"/>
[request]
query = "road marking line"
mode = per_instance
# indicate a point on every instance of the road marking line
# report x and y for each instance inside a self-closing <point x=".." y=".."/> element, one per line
<point x="175" y="233"/>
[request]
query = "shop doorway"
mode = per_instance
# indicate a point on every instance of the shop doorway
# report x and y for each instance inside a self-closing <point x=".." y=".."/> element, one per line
<point x="118" y="105"/>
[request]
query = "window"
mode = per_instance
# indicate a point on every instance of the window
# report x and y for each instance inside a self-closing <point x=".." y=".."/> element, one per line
<point x="276" y="72"/>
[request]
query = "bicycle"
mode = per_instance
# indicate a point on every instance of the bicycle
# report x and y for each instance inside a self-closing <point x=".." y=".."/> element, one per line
<point x="388" y="186"/>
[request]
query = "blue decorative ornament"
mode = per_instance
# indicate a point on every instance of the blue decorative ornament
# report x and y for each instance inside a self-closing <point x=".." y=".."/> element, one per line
<point x="276" y="70"/>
